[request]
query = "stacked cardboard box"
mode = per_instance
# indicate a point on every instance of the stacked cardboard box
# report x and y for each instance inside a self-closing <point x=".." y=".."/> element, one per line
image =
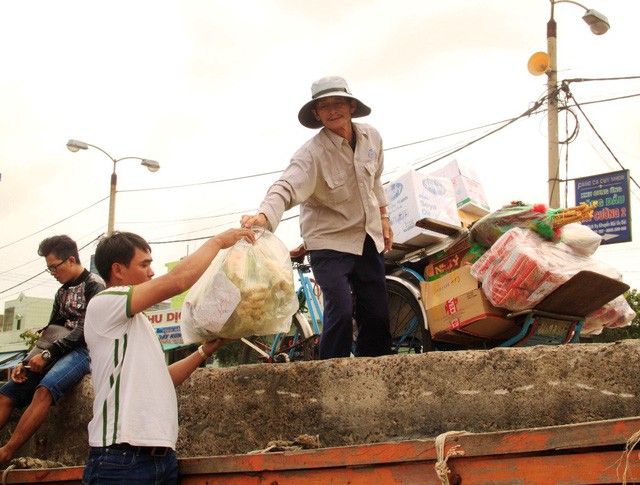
<point x="458" y="312"/>
<point x="469" y="193"/>
<point x="467" y="218"/>
<point x="415" y="196"/>
<point x="446" y="261"/>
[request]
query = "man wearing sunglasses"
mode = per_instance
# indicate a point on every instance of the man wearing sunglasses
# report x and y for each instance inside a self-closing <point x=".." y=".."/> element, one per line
<point x="46" y="376"/>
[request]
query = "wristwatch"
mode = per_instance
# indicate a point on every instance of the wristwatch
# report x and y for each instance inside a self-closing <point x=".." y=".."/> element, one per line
<point x="46" y="355"/>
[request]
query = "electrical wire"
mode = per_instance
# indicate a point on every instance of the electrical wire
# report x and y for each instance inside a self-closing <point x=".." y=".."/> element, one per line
<point x="203" y="183"/>
<point x="205" y="237"/>
<point x="190" y="219"/>
<point x="44" y="270"/>
<point x="54" y="224"/>
<point x="527" y="113"/>
<point x="604" y="143"/>
<point x="503" y="124"/>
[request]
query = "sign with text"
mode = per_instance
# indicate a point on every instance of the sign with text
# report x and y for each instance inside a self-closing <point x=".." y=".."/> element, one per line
<point x="167" y="325"/>
<point x="170" y="334"/>
<point x="612" y="215"/>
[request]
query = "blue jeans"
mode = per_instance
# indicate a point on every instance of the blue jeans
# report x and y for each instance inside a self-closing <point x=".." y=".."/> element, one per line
<point x="114" y="466"/>
<point x="65" y="373"/>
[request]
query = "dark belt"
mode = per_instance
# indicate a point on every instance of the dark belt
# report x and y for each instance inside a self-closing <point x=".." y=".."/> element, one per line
<point x="141" y="450"/>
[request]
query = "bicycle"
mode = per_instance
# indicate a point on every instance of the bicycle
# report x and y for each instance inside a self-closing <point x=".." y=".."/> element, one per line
<point x="407" y="318"/>
<point x="302" y="341"/>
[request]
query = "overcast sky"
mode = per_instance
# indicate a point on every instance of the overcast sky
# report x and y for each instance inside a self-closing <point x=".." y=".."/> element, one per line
<point x="211" y="90"/>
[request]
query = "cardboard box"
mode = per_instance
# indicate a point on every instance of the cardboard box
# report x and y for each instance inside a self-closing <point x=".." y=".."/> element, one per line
<point x="415" y="196"/>
<point x="470" y="196"/>
<point x="453" y="169"/>
<point x="451" y="260"/>
<point x="467" y="218"/>
<point x="468" y="190"/>
<point x="447" y="286"/>
<point x="468" y="317"/>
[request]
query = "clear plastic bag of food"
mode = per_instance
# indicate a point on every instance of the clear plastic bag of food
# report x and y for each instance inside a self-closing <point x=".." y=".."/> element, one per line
<point x="582" y="239"/>
<point x="247" y="290"/>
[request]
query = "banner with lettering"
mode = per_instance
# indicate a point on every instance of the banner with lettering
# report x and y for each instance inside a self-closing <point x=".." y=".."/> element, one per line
<point x="612" y="216"/>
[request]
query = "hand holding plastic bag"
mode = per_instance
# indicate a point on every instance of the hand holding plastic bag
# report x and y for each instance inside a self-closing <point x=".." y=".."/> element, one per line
<point x="247" y="290"/>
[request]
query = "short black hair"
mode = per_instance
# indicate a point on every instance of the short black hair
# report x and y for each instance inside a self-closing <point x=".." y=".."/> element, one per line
<point x="62" y="246"/>
<point x="119" y="247"/>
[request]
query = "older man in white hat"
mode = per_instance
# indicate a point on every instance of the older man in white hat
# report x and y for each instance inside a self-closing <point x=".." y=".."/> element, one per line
<point x="335" y="178"/>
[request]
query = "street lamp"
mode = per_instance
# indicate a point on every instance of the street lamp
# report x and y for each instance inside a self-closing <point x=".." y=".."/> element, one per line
<point x="540" y="64"/>
<point x="152" y="166"/>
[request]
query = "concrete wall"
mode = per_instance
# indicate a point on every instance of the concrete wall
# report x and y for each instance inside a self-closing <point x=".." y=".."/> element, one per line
<point x="348" y="401"/>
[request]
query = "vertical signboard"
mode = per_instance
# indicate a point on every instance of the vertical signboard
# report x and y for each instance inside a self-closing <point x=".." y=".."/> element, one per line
<point x="612" y="215"/>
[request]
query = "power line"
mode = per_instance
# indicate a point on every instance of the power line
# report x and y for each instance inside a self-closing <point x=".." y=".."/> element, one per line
<point x="54" y="224"/>
<point x="439" y="137"/>
<point x="189" y="219"/>
<point x="527" y="113"/>
<point x="503" y="124"/>
<point x="44" y="270"/>
<point x="209" y="236"/>
<point x="571" y="97"/>
<point x="203" y="183"/>
<point x="586" y="79"/>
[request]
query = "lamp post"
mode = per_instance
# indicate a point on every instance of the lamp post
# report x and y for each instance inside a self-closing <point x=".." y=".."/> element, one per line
<point x="152" y="166"/>
<point x="599" y="25"/>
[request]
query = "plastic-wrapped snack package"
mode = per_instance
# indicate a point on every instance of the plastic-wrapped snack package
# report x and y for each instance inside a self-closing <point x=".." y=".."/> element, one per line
<point x="582" y="239"/>
<point x="522" y="268"/>
<point x="247" y="290"/>
<point x="538" y="218"/>
<point x="487" y="230"/>
<point x="616" y="313"/>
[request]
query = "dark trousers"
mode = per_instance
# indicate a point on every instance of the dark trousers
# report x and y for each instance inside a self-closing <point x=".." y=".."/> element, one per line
<point x="352" y="287"/>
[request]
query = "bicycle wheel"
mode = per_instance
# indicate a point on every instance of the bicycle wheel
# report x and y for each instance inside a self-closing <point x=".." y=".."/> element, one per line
<point x="406" y="322"/>
<point x="298" y="344"/>
<point x="251" y="356"/>
<point x="301" y="343"/>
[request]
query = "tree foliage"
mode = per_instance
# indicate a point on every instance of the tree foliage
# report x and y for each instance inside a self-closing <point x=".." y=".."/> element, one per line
<point x="229" y="355"/>
<point x="30" y="337"/>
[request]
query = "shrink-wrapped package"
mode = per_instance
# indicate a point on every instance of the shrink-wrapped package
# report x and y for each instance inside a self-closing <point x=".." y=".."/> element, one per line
<point x="616" y="313"/>
<point x="521" y="268"/>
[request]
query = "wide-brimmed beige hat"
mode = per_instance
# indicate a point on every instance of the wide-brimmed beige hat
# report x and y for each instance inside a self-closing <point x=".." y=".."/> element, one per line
<point x="322" y="88"/>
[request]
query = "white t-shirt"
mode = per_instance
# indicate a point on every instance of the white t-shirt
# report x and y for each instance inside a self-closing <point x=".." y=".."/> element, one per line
<point x="135" y="399"/>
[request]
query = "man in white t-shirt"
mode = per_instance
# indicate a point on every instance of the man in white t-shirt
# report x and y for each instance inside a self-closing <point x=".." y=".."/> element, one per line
<point x="134" y="428"/>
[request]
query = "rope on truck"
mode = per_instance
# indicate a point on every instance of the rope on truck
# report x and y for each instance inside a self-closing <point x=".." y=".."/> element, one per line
<point x="302" y="442"/>
<point x="25" y="462"/>
<point x="442" y="470"/>
<point x="631" y="444"/>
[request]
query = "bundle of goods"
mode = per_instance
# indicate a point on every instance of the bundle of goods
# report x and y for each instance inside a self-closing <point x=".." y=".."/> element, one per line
<point x="521" y="268"/>
<point x="247" y="290"/>
<point x="546" y="222"/>
<point x="580" y="238"/>
<point x="616" y="313"/>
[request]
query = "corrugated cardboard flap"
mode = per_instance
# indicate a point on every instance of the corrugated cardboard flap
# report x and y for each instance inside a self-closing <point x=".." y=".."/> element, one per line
<point x="583" y="294"/>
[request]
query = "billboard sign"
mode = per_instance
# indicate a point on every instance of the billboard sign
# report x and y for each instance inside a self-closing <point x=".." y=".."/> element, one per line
<point x="612" y="215"/>
<point x="167" y="325"/>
